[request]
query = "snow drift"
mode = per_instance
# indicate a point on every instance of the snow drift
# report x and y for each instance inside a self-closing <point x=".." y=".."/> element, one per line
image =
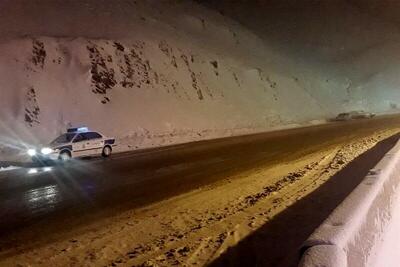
<point x="154" y="73"/>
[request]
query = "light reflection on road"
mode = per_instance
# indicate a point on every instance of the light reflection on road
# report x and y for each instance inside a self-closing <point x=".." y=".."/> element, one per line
<point x="43" y="198"/>
<point x="39" y="170"/>
<point x="32" y="171"/>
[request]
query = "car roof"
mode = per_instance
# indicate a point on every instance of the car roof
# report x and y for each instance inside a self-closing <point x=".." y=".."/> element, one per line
<point x="89" y="132"/>
<point x="82" y="132"/>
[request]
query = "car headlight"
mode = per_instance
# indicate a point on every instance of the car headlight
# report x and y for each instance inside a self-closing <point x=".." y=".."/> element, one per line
<point x="46" y="151"/>
<point x="31" y="152"/>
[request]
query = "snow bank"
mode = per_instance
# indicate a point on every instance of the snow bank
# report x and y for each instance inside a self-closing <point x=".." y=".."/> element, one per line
<point x="363" y="230"/>
<point x="9" y="168"/>
<point x="153" y="73"/>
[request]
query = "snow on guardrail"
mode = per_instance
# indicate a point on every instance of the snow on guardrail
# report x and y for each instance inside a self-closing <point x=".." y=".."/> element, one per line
<point x="359" y="230"/>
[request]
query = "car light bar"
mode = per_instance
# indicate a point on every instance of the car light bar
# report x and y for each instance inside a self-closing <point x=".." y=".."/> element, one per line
<point x="78" y="130"/>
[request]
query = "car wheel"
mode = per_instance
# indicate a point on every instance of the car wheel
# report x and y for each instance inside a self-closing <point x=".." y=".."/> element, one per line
<point x="65" y="156"/>
<point x="106" y="151"/>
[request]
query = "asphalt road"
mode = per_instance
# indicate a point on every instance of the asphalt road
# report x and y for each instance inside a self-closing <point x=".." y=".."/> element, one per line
<point x="135" y="179"/>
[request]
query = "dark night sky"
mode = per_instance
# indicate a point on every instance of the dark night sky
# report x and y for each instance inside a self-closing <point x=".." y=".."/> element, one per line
<point x="339" y="26"/>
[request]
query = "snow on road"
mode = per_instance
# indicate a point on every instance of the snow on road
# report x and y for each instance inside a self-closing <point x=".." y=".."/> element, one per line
<point x="212" y="224"/>
<point x="155" y="73"/>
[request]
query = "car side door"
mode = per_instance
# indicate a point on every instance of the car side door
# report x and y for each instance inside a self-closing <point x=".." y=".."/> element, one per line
<point x="79" y="145"/>
<point x="94" y="143"/>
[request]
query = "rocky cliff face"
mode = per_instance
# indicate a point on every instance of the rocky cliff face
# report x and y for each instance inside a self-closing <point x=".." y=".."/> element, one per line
<point x="154" y="73"/>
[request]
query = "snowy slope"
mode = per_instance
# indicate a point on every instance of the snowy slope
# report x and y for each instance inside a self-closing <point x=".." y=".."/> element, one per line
<point x="352" y="40"/>
<point x="155" y="73"/>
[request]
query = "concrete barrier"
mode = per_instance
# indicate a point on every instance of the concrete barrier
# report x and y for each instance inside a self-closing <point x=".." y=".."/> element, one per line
<point x="364" y="230"/>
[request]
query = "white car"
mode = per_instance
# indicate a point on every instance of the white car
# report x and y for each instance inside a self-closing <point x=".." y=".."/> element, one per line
<point x="75" y="143"/>
<point x="354" y="115"/>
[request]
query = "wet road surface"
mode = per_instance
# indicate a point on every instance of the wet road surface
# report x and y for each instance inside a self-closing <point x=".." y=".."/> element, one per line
<point x="135" y="179"/>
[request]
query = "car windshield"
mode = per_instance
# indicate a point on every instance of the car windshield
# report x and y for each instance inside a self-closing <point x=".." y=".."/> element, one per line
<point x="65" y="138"/>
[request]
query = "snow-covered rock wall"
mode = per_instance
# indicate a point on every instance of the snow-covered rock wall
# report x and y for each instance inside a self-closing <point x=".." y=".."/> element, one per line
<point x="155" y="73"/>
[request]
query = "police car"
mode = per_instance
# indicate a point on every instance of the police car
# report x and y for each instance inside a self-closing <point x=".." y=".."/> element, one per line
<point x="75" y="143"/>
